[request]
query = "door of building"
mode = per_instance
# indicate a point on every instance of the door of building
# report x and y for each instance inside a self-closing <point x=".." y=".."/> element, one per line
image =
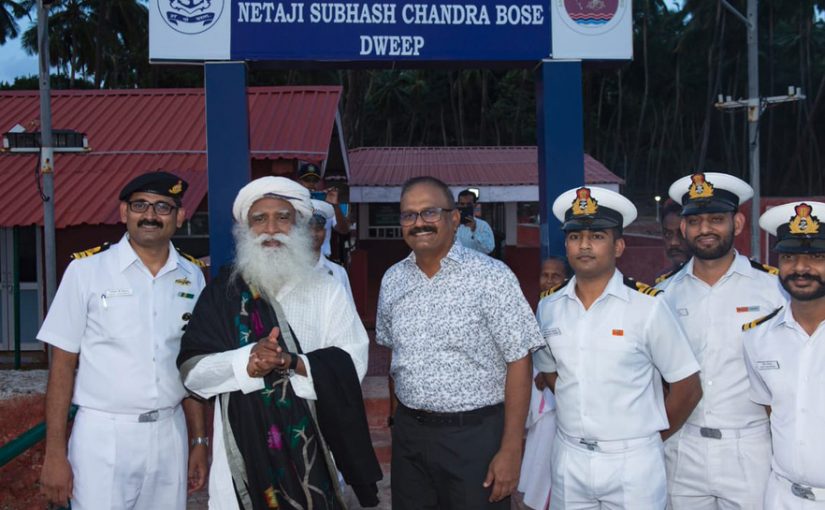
<point x="24" y="248"/>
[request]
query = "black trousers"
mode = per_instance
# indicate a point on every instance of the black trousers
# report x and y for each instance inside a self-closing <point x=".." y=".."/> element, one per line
<point x="442" y="467"/>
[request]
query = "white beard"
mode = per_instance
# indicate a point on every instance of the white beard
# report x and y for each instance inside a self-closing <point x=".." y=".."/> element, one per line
<point x="270" y="268"/>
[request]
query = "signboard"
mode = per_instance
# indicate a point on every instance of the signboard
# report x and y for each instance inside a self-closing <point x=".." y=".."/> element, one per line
<point x="367" y="31"/>
<point x="592" y="29"/>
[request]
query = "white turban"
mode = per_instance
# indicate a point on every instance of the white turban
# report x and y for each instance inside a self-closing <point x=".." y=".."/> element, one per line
<point x="274" y="187"/>
<point x="323" y="208"/>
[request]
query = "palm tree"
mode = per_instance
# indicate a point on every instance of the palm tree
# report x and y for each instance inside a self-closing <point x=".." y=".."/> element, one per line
<point x="10" y="12"/>
<point x="71" y="38"/>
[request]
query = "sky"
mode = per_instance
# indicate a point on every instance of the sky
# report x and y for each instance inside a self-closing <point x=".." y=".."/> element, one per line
<point x="15" y="62"/>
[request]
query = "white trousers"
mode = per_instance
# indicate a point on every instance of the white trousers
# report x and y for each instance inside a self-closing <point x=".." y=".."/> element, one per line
<point x="614" y="475"/>
<point x="535" y="477"/>
<point x="121" y="464"/>
<point x="718" y="474"/>
<point x="779" y="496"/>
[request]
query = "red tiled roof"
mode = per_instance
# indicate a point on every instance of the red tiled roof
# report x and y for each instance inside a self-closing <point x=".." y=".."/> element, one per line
<point x="458" y="166"/>
<point x="134" y="131"/>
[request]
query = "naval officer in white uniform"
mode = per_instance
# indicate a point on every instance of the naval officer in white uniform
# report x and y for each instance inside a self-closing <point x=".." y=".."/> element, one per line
<point x="611" y="341"/>
<point x="118" y="316"/>
<point x="720" y="460"/>
<point x="785" y="355"/>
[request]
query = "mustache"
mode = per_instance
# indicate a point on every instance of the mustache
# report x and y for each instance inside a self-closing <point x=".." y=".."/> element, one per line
<point x="423" y="229"/>
<point x="150" y="223"/>
<point x="263" y="238"/>
<point x="798" y="276"/>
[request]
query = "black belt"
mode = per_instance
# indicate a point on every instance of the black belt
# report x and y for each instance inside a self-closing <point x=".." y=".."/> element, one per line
<point x="473" y="417"/>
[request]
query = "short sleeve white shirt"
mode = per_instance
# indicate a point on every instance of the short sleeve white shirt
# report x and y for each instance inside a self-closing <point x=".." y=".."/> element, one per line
<point x="712" y="317"/>
<point x="324" y="265"/>
<point x="608" y="359"/>
<point x="126" y="326"/>
<point x="787" y="372"/>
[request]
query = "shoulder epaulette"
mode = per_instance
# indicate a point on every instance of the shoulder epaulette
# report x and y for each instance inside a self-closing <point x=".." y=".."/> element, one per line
<point x="91" y="251"/>
<point x="664" y="276"/>
<point x="554" y="289"/>
<point x="752" y="324"/>
<point x="641" y="287"/>
<point x="190" y="258"/>
<point x="764" y="267"/>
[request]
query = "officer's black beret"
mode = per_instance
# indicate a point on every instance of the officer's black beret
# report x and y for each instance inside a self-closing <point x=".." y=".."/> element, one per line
<point x="159" y="183"/>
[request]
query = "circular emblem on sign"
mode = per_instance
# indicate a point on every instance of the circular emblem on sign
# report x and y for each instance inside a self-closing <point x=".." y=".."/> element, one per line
<point x="592" y="17"/>
<point x="190" y="16"/>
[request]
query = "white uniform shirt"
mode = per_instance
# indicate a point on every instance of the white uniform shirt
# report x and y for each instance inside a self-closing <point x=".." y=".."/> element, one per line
<point x="321" y="316"/>
<point x="609" y="358"/>
<point x="126" y="324"/>
<point x="787" y="372"/>
<point x="324" y="265"/>
<point x="712" y="318"/>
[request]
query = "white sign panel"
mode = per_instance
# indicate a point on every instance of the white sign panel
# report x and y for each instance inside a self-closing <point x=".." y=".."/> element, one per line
<point x="592" y="29"/>
<point x="189" y="29"/>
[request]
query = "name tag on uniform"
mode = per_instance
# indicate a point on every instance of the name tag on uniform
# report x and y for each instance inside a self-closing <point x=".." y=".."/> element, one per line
<point x="744" y="309"/>
<point x="186" y="295"/>
<point x="767" y="365"/>
<point x="118" y="292"/>
<point x="552" y="332"/>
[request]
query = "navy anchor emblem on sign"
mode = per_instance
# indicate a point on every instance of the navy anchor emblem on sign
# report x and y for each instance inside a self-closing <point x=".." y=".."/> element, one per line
<point x="190" y="16"/>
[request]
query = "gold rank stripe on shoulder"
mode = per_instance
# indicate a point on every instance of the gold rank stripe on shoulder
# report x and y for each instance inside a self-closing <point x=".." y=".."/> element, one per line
<point x="91" y="251"/>
<point x="641" y="287"/>
<point x="764" y="267"/>
<point x="665" y="276"/>
<point x="752" y="324"/>
<point x="190" y="258"/>
<point x="554" y="289"/>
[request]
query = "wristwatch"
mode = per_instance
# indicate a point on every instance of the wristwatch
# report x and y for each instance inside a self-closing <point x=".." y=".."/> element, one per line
<point x="199" y="440"/>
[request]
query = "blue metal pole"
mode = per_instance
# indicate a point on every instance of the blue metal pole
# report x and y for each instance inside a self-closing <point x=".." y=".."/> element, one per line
<point x="560" y="132"/>
<point x="227" y="152"/>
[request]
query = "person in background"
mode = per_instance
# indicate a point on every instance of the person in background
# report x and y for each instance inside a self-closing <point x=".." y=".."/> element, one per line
<point x="554" y="271"/>
<point x="473" y="232"/>
<point x="309" y="175"/>
<point x="677" y="250"/>
<point x="117" y="318"/>
<point x="535" y="479"/>
<point x="323" y="213"/>
<point x="785" y="358"/>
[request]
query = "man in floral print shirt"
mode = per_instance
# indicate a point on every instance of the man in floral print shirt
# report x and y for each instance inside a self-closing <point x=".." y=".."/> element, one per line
<point x="461" y="333"/>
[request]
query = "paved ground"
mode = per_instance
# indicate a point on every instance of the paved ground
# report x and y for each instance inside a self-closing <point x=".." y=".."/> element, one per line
<point x="198" y="501"/>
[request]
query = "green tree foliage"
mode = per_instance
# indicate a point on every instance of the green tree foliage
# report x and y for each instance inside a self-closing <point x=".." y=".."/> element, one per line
<point x="10" y="12"/>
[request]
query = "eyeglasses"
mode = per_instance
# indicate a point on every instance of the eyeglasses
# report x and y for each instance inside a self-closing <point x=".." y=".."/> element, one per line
<point x="161" y="208"/>
<point x="429" y="215"/>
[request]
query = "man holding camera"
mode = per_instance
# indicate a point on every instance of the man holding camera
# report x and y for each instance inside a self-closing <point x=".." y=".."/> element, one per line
<point x="473" y="233"/>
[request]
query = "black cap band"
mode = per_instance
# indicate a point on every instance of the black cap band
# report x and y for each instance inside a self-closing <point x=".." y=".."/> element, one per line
<point x="798" y="243"/>
<point x="721" y="201"/>
<point x="605" y="218"/>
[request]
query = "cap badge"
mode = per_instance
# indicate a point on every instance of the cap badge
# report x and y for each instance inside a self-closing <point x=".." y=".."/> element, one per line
<point x="177" y="188"/>
<point x="584" y="204"/>
<point x="803" y="222"/>
<point x="699" y="187"/>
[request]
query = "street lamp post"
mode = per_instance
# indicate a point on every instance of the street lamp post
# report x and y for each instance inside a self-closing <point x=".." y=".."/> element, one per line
<point x="658" y="200"/>
<point x="46" y="149"/>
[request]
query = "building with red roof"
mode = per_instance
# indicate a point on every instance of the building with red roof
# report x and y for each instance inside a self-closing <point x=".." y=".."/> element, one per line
<point x="126" y="133"/>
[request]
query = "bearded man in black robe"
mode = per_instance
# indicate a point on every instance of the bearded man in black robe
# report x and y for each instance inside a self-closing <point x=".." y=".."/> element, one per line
<point x="283" y="350"/>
